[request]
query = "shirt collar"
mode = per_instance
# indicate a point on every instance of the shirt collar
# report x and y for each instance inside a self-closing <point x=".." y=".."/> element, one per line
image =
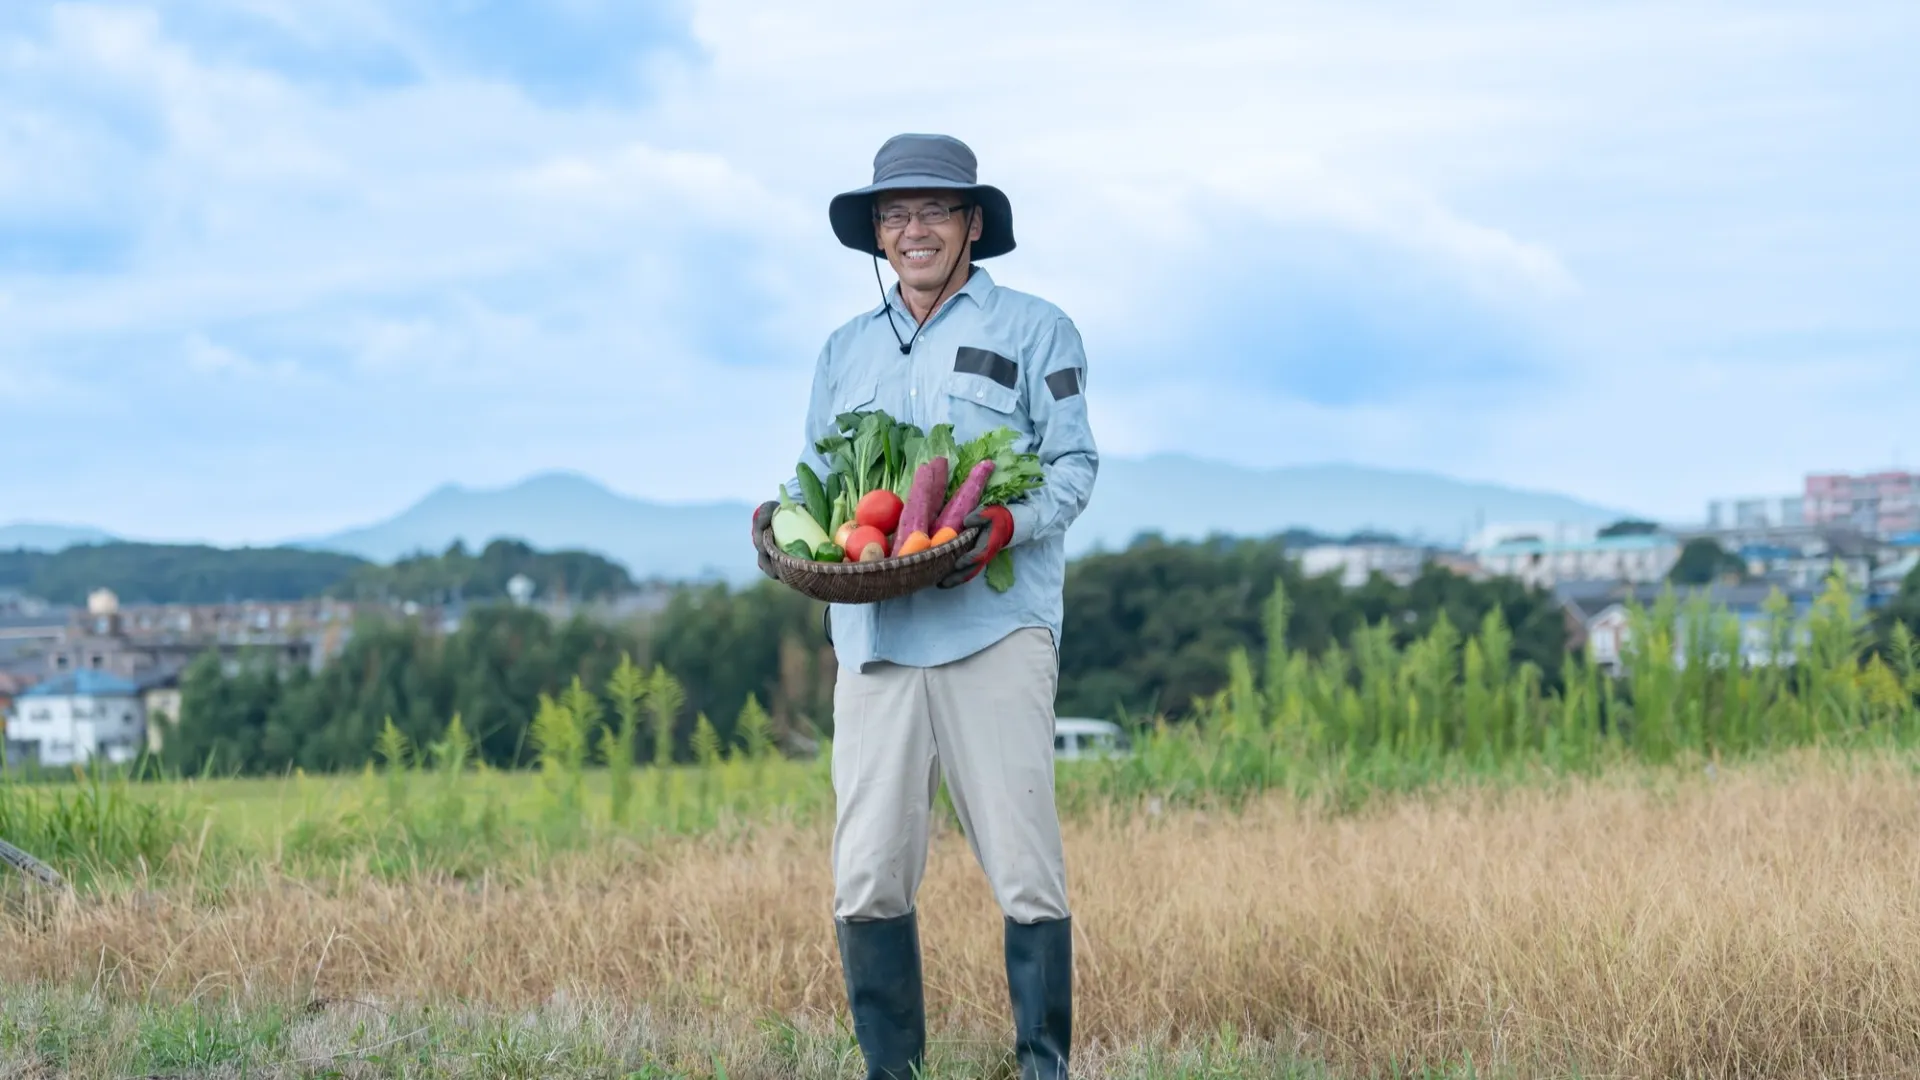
<point x="978" y="285"/>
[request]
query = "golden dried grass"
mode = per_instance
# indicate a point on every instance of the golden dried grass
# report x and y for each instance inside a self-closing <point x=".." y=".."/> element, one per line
<point x="1759" y="922"/>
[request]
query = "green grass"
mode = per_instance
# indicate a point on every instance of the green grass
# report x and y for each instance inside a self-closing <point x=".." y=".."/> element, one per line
<point x="1336" y="730"/>
<point x="71" y="1033"/>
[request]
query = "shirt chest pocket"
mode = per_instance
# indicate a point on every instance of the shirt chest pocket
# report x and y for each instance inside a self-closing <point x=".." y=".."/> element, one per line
<point x="983" y="393"/>
<point x="858" y="395"/>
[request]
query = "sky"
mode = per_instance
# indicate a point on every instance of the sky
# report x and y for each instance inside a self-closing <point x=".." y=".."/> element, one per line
<point x="270" y="269"/>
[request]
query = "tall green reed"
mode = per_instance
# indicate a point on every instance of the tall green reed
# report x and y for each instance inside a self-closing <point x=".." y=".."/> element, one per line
<point x="1693" y="682"/>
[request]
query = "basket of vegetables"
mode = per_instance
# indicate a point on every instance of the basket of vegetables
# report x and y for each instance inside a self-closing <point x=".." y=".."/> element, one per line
<point x="889" y="517"/>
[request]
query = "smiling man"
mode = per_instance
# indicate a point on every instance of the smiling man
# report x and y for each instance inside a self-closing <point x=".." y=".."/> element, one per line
<point x="961" y="679"/>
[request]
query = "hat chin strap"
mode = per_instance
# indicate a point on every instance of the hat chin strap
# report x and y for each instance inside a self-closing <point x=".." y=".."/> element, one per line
<point x="906" y="346"/>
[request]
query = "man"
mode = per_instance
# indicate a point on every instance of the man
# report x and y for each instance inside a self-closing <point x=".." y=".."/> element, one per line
<point x="960" y="678"/>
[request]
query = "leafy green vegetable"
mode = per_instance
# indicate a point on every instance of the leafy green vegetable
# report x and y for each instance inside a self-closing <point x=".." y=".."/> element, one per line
<point x="940" y="444"/>
<point x="873" y="451"/>
<point x="922" y="449"/>
<point x="1014" y="474"/>
<point x="913" y="455"/>
<point x="870" y="453"/>
<point x="1000" y="572"/>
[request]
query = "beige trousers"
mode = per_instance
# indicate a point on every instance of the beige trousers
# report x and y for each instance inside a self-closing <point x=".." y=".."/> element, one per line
<point x="987" y="723"/>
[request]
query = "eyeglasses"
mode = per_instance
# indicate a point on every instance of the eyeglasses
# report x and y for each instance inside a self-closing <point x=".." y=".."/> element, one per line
<point x="897" y="217"/>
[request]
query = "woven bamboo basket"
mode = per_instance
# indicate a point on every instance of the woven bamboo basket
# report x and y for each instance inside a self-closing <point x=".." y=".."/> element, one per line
<point x="867" y="583"/>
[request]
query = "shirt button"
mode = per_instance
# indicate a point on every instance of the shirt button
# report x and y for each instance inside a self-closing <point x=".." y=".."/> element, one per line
<point x="915" y="392"/>
<point x="979" y="393"/>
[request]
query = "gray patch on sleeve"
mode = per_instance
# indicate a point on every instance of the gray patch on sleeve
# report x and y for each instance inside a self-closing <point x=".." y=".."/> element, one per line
<point x="1064" y="383"/>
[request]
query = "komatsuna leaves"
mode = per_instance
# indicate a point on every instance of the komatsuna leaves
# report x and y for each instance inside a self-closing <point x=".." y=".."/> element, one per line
<point x="1000" y="572"/>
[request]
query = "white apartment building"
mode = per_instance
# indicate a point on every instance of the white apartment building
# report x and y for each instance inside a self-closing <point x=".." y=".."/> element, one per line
<point x="1633" y="559"/>
<point x="1354" y="563"/>
<point x="75" y="717"/>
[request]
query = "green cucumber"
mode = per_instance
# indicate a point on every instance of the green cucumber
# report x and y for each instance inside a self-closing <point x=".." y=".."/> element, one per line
<point x="814" y="495"/>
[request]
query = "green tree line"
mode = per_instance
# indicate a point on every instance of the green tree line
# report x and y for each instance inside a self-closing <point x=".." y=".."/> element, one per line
<point x="174" y="573"/>
<point x="200" y="574"/>
<point x="1147" y="630"/>
<point x="457" y="574"/>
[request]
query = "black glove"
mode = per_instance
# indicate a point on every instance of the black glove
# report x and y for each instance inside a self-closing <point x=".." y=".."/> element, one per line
<point x="762" y="517"/>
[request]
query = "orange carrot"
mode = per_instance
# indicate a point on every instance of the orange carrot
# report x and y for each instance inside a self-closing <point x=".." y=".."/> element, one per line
<point x="941" y="537"/>
<point x="913" y="545"/>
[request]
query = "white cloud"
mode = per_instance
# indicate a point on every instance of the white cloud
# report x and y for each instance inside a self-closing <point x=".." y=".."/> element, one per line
<point x="448" y="256"/>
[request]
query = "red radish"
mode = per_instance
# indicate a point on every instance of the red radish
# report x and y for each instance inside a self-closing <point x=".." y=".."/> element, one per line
<point x="865" y="544"/>
<point x="965" y="500"/>
<point x="879" y="508"/>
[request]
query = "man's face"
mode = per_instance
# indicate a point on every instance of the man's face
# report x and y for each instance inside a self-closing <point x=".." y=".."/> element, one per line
<point x="922" y="254"/>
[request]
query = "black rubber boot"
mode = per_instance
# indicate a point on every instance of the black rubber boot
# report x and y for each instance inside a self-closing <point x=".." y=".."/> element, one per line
<point x="881" y="959"/>
<point x="1040" y="981"/>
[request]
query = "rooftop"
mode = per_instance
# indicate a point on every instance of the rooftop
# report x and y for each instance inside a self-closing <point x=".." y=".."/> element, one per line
<point x="87" y="683"/>
<point x="1637" y="542"/>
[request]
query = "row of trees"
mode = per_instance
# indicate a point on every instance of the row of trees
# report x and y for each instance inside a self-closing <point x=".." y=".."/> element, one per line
<point x="493" y="672"/>
<point x="174" y="573"/>
<point x="1147" y="630"/>
<point x="199" y="574"/>
<point x="457" y="574"/>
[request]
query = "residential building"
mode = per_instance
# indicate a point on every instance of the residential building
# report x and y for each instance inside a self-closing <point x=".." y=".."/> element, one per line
<point x="1558" y="532"/>
<point x="71" y="719"/>
<point x="1599" y="618"/>
<point x="143" y="642"/>
<point x="161" y="698"/>
<point x="1887" y="580"/>
<point x="1356" y="563"/>
<point x="1545" y="563"/>
<point x="1795" y="556"/>
<point x="1881" y="505"/>
<point x="1459" y="563"/>
<point x="12" y="685"/>
<point x="30" y="630"/>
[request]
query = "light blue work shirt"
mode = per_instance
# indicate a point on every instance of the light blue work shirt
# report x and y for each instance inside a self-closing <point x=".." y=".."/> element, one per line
<point x="989" y="357"/>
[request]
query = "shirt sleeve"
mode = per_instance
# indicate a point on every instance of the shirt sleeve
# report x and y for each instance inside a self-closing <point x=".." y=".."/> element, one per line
<point x="819" y="421"/>
<point x="1063" y="439"/>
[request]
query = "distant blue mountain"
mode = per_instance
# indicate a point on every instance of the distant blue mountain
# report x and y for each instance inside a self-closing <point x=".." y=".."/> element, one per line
<point x="565" y="510"/>
<point x="40" y="536"/>
<point x="1175" y="496"/>
<point x="1188" y="498"/>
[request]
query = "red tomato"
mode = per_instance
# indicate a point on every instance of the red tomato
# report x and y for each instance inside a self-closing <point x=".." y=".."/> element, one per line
<point x="879" y="508"/>
<point x="863" y="542"/>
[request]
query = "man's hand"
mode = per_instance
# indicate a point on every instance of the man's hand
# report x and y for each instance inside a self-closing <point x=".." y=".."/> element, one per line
<point x="996" y="532"/>
<point x="762" y="517"/>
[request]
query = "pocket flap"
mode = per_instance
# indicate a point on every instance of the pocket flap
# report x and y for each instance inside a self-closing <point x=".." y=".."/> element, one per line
<point x="983" y="391"/>
<point x="856" y="396"/>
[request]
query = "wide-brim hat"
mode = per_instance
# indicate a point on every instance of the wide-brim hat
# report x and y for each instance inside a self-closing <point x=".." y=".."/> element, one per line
<point x="907" y="162"/>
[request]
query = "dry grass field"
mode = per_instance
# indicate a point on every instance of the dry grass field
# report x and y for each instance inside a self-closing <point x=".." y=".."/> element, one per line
<point x="1754" y="921"/>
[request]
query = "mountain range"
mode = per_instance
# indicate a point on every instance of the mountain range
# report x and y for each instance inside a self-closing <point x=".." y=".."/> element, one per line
<point x="1176" y="496"/>
<point x="47" y="536"/>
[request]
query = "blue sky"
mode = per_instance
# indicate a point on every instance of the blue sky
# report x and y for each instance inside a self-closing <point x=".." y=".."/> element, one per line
<point x="270" y="268"/>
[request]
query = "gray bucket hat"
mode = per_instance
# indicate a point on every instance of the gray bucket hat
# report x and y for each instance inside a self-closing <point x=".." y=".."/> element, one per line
<point x="906" y="162"/>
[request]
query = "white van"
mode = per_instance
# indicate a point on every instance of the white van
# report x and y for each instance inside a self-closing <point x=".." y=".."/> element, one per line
<point x="1081" y="737"/>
